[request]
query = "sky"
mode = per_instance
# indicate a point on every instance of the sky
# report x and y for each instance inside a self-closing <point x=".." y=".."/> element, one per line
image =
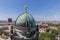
<point x="41" y="10"/>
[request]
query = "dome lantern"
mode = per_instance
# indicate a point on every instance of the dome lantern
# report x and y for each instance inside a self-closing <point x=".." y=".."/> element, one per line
<point x="26" y="6"/>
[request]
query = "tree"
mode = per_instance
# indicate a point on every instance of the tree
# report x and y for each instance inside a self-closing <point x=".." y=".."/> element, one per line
<point x="54" y="33"/>
<point x="48" y="36"/>
<point x="45" y="36"/>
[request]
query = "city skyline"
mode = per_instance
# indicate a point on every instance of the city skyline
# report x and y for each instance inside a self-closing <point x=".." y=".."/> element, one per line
<point x="41" y="10"/>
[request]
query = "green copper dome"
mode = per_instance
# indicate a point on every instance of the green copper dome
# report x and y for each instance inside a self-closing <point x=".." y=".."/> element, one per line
<point x="25" y="20"/>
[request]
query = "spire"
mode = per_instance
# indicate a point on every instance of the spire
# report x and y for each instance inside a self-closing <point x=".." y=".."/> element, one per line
<point x="26" y="6"/>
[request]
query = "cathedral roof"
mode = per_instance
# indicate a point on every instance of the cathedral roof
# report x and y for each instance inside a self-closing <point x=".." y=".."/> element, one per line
<point x="25" y="20"/>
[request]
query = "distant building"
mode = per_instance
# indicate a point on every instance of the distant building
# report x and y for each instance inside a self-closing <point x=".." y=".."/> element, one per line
<point x="48" y="22"/>
<point x="9" y="19"/>
<point x="42" y="29"/>
<point x="58" y="37"/>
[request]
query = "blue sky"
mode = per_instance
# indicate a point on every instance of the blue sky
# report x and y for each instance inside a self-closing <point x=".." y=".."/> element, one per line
<point x="41" y="10"/>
